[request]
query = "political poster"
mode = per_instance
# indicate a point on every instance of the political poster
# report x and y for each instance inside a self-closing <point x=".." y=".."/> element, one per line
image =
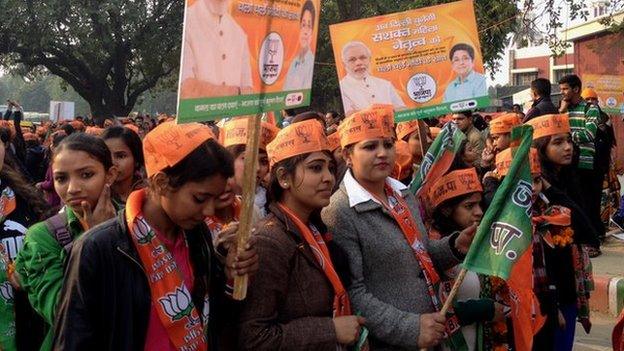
<point x="610" y="90"/>
<point x="425" y="62"/>
<point x="244" y="57"/>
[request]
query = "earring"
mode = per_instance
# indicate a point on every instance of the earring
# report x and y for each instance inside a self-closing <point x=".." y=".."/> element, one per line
<point x="285" y="184"/>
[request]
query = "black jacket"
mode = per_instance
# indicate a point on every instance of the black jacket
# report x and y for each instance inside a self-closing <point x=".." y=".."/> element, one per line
<point x="105" y="303"/>
<point x="542" y="106"/>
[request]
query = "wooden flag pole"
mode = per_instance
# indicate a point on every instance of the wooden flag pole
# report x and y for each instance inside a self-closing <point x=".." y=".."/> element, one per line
<point x="449" y="300"/>
<point x="422" y="135"/>
<point x="249" y="194"/>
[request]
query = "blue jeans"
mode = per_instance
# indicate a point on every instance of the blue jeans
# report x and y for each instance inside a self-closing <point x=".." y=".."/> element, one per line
<point x="564" y="338"/>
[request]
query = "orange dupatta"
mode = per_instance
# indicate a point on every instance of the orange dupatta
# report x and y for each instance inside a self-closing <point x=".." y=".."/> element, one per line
<point x="170" y="295"/>
<point x="342" y="306"/>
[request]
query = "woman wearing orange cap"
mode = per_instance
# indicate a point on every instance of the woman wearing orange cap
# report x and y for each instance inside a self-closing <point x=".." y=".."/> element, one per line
<point x="149" y="279"/>
<point x="301" y="302"/>
<point x="455" y="201"/>
<point x="500" y="132"/>
<point x="234" y="140"/>
<point x="571" y="264"/>
<point x="375" y="221"/>
<point x="409" y="133"/>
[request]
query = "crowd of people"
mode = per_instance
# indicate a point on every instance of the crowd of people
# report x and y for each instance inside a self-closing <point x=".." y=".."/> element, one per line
<point x="124" y="235"/>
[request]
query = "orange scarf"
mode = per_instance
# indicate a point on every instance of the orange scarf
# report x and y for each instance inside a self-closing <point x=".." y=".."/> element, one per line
<point x="399" y="210"/>
<point x="216" y="224"/>
<point x="342" y="306"/>
<point x="170" y="295"/>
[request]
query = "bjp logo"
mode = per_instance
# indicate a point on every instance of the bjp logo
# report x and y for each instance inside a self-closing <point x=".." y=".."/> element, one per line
<point x="178" y="305"/>
<point x="304" y="133"/>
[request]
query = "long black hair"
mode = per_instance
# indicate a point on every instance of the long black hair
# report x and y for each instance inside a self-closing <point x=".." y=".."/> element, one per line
<point x="16" y="181"/>
<point x="90" y="144"/>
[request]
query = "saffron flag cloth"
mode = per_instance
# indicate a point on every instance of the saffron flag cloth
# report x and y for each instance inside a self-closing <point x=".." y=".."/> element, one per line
<point x="438" y="159"/>
<point x="502" y="244"/>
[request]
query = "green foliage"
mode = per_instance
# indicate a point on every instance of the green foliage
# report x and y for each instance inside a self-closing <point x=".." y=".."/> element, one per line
<point x="110" y="52"/>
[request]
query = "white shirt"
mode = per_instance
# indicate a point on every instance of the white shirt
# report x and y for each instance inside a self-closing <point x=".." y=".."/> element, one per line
<point x="357" y="194"/>
<point x="215" y="49"/>
<point x="299" y="74"/>
<point x="359" y="94"/>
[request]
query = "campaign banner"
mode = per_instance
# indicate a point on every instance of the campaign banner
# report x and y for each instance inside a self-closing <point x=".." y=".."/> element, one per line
<point x="244" y="57"/>
<point x="425" y="62"/>
<point x="610" y="90"/>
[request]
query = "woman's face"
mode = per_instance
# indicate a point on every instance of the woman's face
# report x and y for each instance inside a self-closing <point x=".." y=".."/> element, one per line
<point x="79" y="177"/>
<point x="188" y="205"/>
<point x="470" y="155"/>
<point x="501" y="141"/>
<point x="414" y="144"/>
<point x="372" y="160"/>
<point x="122" y="158"/>
<point x="227" y="198"/>
<point x="338" y="155"/>
<point x="559" y="149"/>
<point x="239" y="170"/>
<point x="462" y="63"/>
<point x="468" y="211"/>
<point x="313" y="181"/>
<point x="305" y="30"/>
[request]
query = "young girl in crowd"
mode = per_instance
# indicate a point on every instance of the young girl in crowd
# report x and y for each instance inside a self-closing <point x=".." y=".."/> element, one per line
<point x="409" y="132"/>
<point x="47" y="186"/>
<point x="567" y="256"/>
<point x="127" y="151"/>
<point x="234" y="139"/>
<point x="301" y="302"/>
<point x="333" y="140"/>
<point x="455" y="200"/>
<point x="149" y="279"/>
<point x="375" y="221"/>
<point x="20" y="207"/>
<point x="83" y="172"/>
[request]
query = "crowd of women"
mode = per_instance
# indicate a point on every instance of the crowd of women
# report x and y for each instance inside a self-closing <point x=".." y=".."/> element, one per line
<point x="131" y="239"/>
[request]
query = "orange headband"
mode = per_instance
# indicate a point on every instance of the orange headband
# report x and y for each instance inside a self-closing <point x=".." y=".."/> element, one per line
<point x="404" y="129"/>
<point x="504" y="158"/>
<point x="333" y="140"/>
<point x="548" y="125"/>
<point x="504" y="123"/>
<point x="454" y="184"/>
<point x="297" y="139"/>
<point x="235" y="133"/>
<point x="366" y="124"/>
<point x="170" y="143"/>
<point x="403" y="164"/>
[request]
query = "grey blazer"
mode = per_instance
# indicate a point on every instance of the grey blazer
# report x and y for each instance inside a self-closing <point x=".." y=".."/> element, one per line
<point x="387" y="285"/>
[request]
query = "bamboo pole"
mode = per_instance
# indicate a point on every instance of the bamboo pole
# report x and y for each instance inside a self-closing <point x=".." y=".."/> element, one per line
<point x="249" y="194"/>
<point x="449" y="300"/>
<point x="422" y="134"/>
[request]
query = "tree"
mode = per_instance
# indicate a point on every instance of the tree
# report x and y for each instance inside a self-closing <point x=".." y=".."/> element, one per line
<point x="109" y="52"/>
<point x="495" y="20"/>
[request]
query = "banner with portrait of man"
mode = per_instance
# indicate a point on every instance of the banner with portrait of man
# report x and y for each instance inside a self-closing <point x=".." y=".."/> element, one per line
<point x="243" y="57"/>
<point x="425" y="62"/>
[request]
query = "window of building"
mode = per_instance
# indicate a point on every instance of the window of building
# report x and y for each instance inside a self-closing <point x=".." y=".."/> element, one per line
<point x="524" y="78"/>
<point x="560" y="73"/>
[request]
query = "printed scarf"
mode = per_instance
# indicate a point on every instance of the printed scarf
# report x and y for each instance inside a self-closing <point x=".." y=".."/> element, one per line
<point x="7" y="301"/>
<point x="342" y="306"/>
<point x="170" y="294"/>
<point x="400" y="212"/>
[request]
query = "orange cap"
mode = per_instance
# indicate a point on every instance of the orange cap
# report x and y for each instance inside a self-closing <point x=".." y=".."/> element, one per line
<point x="297" y="139"/>
<point x="454" y="184"/>
<point x="548" y="125"/>
<point x="94" y="131"/>
<point x="9" y="126"/>
<point x="589" y="93"/>
<point x="77" y="125"/>
<point x="366" y="124"/>
<point x="504" y="123"/>
<point x="235" y="133"/>
<point x="170" y="143"/>
<point x="333" y="140"/>
<point x="504" y="158"/>
<point x="435" y="131"/>
<point x="30" y="137"/>
<point x="132" y="127"/>
<point x="403" y="164"/>
<point x="404" y="129"/>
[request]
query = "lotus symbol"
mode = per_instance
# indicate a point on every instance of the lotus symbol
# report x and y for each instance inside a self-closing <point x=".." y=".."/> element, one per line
<point x="6" y="292"/>
<point x="143" y="232"/>
<point x="178" y="304"/>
